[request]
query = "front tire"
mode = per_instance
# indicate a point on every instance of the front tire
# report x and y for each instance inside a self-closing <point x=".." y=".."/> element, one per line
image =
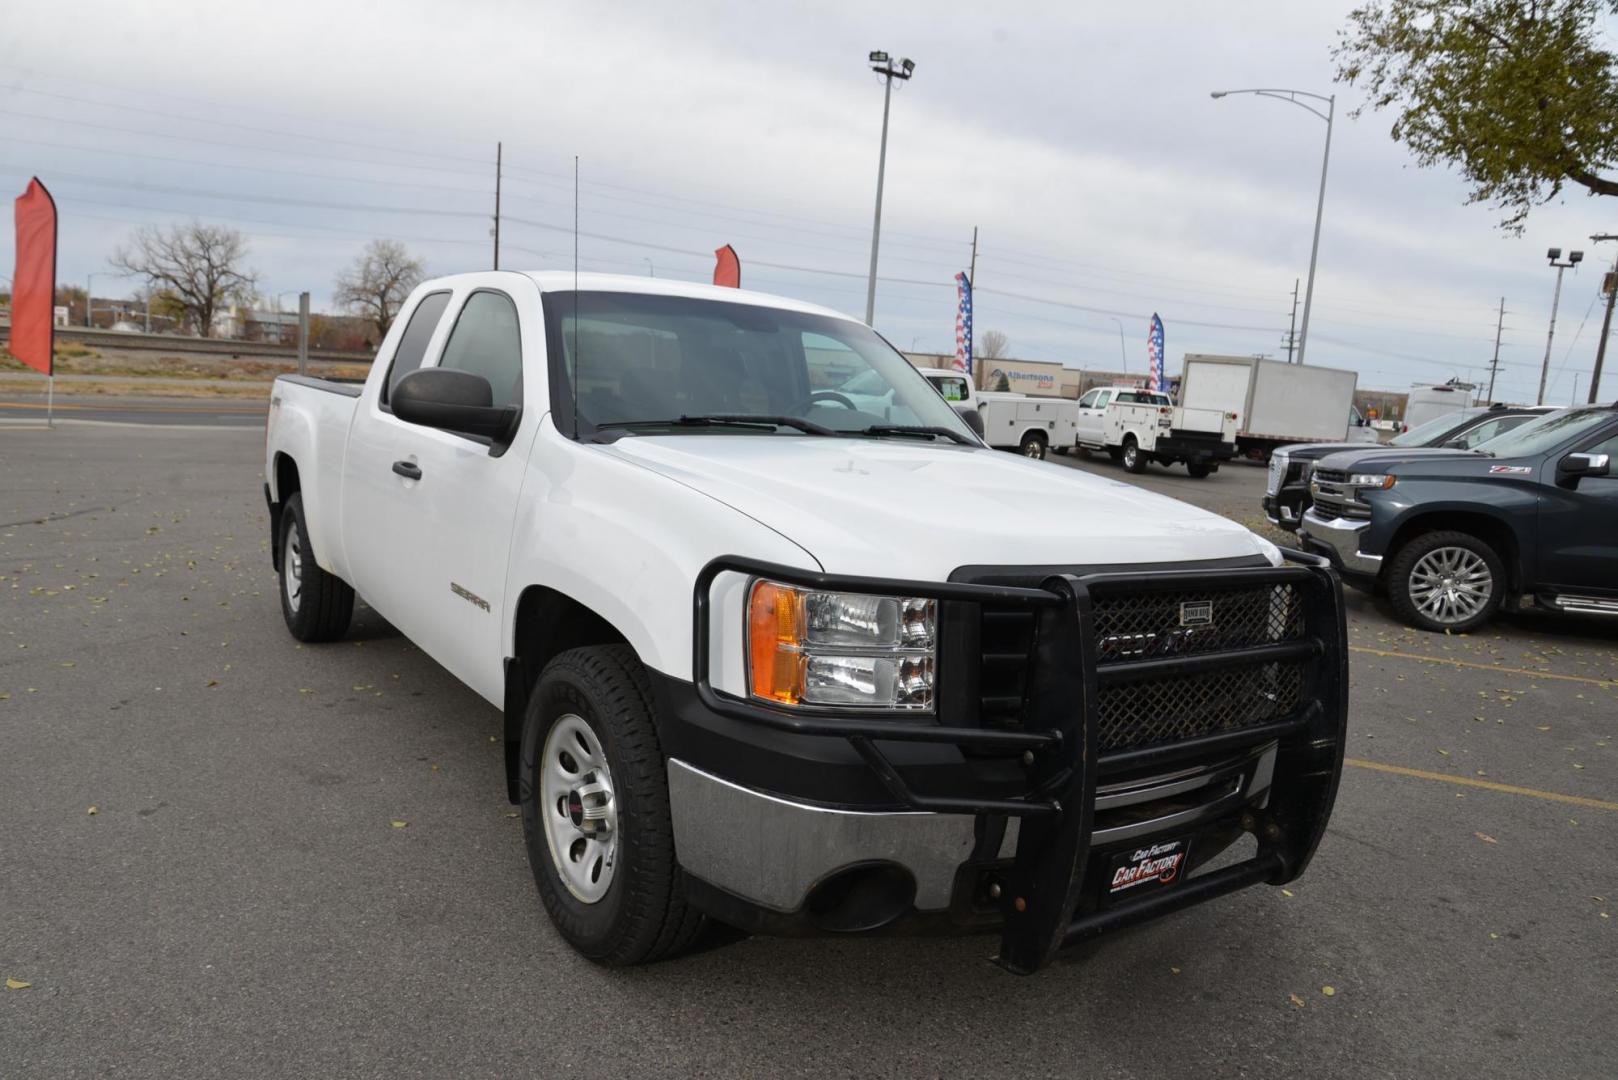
<point x="317" y="606"/>
<point x="595" y="810"/>
<point x="1446" y="582"/>
<point x="1134" y="460"/>
<point x="1198" y="470"/>
<point x="1033" y="446"/>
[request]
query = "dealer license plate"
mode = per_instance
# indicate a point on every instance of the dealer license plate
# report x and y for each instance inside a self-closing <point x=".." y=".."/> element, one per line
<point x="1147" y="868"/>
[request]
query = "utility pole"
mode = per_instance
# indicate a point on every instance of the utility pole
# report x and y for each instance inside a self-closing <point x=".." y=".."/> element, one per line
<point x="1494" y="365"/>
<point x="303" y="333"/>
<point x="1606" y="320"/>
<point x="1292" y="329"/>
<point x="883" y="65"/>
<point x="1573" y="259"/>
<point x="498" y="149"/>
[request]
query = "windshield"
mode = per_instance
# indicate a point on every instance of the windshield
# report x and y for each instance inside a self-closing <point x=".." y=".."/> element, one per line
<point x="1546" y="433"/>
<point x="641" y="359"/>
<point x="1425" y="434"/>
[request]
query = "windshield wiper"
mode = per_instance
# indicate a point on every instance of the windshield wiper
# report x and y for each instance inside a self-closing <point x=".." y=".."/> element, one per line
<point x="746" y="420"/>
<point x="917" y="429"/>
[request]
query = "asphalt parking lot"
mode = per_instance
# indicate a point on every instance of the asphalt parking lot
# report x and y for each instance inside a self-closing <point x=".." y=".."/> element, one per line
<point x="225" y="854"/>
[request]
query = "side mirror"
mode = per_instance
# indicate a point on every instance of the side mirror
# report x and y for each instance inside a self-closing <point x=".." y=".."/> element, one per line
<point x="1574" y="466"/>
<point x="973" y="418"/>
<point x="451" y="400"/>
<point x="1455" y="444"/>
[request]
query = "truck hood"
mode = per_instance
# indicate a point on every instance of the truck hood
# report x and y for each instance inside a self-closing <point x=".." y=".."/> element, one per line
<point x="1386" y="458"/>
<point x="895" y="508"/>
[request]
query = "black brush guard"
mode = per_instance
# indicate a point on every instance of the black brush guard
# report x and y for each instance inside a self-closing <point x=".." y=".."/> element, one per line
<point x="1058" y="740"/>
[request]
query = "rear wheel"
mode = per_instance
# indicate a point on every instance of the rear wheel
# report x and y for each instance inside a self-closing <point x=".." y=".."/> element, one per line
<point x="1033" y="445"/>
<point x="595" y="810"/>
<point x="1198" y="470"/>
<point x="1134" y="460"/>
<point x="317" y="606"/>
<point x="1446" y="581"/>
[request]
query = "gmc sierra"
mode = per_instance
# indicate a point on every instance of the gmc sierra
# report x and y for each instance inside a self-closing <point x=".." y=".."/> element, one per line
<point x="766" y="657"/>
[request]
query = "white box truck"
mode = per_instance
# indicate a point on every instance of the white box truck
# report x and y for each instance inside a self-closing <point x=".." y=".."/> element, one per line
<point x="1430" y="402"/>
<point x="1275" y="403"/>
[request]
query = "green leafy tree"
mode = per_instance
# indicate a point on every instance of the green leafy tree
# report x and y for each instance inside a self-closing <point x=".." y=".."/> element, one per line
<point x="1521" y="96"/>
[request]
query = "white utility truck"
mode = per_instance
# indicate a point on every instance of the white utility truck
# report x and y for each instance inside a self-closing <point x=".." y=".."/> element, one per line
<point x="1032" y="426"/>
<point x="1275" y="403"/>
<point x="1138" y="426"/>
<point x="768" y="658"/>
<point x="1426" y="403"/>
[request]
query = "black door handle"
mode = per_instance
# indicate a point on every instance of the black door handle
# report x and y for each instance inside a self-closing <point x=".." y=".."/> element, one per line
<point x="407" y="469"/>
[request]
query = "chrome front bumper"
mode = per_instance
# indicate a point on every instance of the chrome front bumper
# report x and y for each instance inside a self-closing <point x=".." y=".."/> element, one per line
<point x="772" y="851"/>
<point x="1342" y="536"/>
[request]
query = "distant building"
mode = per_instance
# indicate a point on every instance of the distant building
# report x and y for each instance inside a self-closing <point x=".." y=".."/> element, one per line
<point x="249" y="324"/>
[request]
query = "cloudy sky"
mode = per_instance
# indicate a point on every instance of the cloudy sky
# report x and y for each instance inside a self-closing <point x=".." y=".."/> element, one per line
<point x="1079" y="138"/>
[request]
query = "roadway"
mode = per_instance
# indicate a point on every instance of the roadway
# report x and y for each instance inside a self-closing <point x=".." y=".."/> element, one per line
<point x="31" y="409"/>
<point x="225" y="854"/>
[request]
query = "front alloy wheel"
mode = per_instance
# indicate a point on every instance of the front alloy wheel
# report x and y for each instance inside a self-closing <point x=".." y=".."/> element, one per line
<point x="1450" y="584"/>
<point x="1446" y="582"/>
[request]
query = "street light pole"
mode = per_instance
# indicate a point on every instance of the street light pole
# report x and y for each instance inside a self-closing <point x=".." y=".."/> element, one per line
<point x="884" y="66"/>
<point x="1573" y="259"/>
<point x="1123" y="353"/>
<point x="651" y="270"/>
<point x="1292" y="97"/>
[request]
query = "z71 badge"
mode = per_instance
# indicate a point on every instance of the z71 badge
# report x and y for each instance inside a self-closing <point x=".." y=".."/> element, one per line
<point x="1510" y="470"/>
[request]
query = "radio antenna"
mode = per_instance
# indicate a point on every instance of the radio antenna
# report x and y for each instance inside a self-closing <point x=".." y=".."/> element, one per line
<point x="574" y="381"/>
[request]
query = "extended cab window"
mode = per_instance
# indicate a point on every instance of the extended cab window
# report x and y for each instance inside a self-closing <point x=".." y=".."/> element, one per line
<point x="413" y="342"/>
<point x="486" y="342"/>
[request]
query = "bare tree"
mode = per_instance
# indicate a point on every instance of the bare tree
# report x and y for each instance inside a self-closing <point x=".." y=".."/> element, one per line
<point x="198" y="267"/>
<point x="378" y="282"/>
<point x="992" y="346"/>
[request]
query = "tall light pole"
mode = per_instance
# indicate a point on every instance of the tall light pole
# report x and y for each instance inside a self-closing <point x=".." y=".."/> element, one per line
<point x="1573" y="259"/>
<point x="885" y="67"/>
<point x="651" y="271"/>
<point x="1123" y="354"/>
<point x="1292" y="96"/>
<point x="1606" y="320"/>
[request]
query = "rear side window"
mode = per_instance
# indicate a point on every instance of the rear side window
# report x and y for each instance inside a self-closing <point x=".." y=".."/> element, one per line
<point x="413" y="343"/>
<point x="486" y="342"/>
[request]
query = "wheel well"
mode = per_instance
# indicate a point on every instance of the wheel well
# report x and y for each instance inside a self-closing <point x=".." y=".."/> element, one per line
<point x="1490" y="530"/>
<point x="1035" y="435"/>
<point x="286" y="482"/>
<point x="547" y="624"/>
<point x="286" y="477"/>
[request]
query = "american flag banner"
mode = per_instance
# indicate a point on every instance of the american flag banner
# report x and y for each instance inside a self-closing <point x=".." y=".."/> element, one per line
<point x="1154" y="355"/>
<point x="963" y="323"/>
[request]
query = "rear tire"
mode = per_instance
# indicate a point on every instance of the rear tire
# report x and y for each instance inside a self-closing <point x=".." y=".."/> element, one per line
<point x="1198" y="470"/>
<point x="603" y="697"/>
<point x="1033" y="445"/>
<point x="317" y="606"/>
<point x="1446" y="582"/>
<point x="1134" y="460"/>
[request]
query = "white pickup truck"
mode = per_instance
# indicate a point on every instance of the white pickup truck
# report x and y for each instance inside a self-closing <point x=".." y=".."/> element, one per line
<point x="766" y="658"/>
<point x="1139" y="426"/>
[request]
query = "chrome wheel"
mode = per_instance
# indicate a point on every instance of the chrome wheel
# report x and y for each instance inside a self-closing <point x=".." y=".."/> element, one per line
<point x="292" y="580"/>
<point x="577" y="805"/>
<point x="1450" y="584"/>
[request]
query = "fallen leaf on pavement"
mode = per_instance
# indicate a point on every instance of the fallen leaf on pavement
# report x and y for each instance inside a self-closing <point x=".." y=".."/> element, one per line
<point x="1296" y="1000"/>
<point x="1329" y="991"/>
<point x="1486" y="838"/>
<point x="92" y="811"/>
<point x="17" y="984"/>
<point x="397" y="824"/>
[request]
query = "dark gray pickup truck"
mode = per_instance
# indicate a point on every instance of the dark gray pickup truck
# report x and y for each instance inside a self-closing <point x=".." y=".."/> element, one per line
<point x="1454" y="534"/>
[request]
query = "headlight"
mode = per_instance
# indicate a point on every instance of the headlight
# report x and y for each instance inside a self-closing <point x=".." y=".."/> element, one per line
<point x="807" y="647"/>
<point x="1371" y="480"/>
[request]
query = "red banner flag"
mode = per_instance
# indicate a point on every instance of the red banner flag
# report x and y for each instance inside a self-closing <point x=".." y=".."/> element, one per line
<point x="728" y="271"/>
<point x="33" y="285"/>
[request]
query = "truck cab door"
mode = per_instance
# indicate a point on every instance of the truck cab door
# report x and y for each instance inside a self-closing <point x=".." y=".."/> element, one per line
<point x="433" y="510"/>
<point x="1092" y="413"/>
<point x="1578" y="525"/>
